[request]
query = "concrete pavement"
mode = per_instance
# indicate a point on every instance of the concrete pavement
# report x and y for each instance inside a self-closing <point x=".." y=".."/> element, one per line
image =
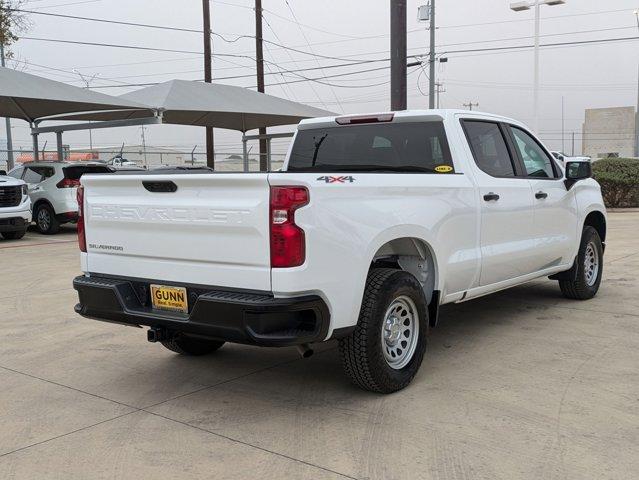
<point x="523" y="384"/>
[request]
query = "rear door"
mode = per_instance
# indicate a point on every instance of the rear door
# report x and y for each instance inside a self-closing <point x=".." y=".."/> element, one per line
<point x="204" y="229"/>
<point x="506" y="236"/>
<point x="555" y="207"/>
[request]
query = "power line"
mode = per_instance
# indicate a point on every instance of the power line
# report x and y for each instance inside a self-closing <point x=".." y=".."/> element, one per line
<point x="502" y="49"/>
<point x="133" y="47"/>
<point x="308" y="43"/>
<point x="179" y="29"/>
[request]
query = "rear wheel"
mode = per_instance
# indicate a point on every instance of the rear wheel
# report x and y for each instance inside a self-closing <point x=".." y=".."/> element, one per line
<point x="14" y="235"/>
<point x="589" y="268"/>
<point x="185" y="345"/>
<point x="46" y="221"/>
<point x="386" y="349"/>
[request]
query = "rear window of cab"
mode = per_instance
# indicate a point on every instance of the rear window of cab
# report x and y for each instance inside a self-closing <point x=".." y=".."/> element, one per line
<point x="419" y="147"/>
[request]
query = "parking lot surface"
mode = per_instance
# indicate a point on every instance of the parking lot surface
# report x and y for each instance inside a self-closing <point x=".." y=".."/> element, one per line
<point x="523" y="384"/>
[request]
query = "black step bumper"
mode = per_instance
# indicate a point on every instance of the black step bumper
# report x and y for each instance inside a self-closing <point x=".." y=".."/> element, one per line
<point x="232" y="316"/>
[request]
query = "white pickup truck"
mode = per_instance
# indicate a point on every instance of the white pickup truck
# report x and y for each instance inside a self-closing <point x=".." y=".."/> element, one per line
<point x="374" y="222"/>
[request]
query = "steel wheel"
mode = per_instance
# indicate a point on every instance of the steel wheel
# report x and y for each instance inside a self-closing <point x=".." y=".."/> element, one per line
<point x="44" y="219"/>
<point x="400" y="332"/>
<point x="591" y="264"/>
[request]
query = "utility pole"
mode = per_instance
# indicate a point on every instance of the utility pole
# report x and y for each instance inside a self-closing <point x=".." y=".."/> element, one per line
<point x="259" y="59"/>
<point x="470" y="105"/>
<point x="440" y="89"/>
<point x="573" y="145"/>
<point x="431" y="58"/>
<point x="208" y="76"/>
<point x="7" y="124"/>
<point x="398" y="54"/>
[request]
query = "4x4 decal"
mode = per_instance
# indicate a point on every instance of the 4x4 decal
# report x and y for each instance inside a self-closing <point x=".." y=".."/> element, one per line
<point x="341" y="179"/>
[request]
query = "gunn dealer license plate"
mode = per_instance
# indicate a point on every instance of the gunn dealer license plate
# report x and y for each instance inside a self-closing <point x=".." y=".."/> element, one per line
<point x="169" y="298"/>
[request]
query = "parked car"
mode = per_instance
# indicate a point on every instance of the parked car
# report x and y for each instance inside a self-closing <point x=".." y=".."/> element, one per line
<point x="52" y="188"/>
<point x="373" y="224"/>
<point x="563" y="158"/>
<point x="120" y="163"/>
<point x="15" y="207"/>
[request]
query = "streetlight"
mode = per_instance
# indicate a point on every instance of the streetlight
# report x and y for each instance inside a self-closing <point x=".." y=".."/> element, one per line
<point x="521" y="6"/>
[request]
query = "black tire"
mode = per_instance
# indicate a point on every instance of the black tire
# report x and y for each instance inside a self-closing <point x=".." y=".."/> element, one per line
<point x="14" y="235"/>
<point x="581" y="288"/>
<point x="362" y="352"/>
<point x="192" y="346"/>
<point x="45" y="220"/>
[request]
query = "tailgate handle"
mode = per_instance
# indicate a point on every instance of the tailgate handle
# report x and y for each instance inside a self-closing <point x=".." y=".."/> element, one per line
<point x="160" y="187"/>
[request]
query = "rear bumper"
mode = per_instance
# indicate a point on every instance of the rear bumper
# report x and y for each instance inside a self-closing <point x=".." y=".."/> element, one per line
<point x="239" y="317"/>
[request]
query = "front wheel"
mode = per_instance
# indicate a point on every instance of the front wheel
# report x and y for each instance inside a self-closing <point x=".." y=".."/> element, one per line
<point x="192" y="346"/>
<point x="386" y="349"/>
<point x="46" y="220"/>
<point x="589" y="268"/>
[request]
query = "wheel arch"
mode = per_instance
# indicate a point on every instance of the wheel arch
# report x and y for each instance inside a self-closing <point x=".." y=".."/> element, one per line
<point x="416" y="256"/>
<point x="42" y="201"/>
<point x="597" y="220"/>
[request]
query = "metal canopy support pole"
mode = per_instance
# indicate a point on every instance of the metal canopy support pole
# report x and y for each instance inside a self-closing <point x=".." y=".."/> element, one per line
<point x="268" y="155"/>
<point x="58" y="136"/>
<point x="36" y="151"/>
<point x="245" y="154"/>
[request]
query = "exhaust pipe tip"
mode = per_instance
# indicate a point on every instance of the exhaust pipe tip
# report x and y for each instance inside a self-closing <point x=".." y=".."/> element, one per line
<point x="305" y="350"/>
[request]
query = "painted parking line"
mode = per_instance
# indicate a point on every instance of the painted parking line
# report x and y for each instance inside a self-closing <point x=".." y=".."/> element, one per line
<point x="55" y="242"/>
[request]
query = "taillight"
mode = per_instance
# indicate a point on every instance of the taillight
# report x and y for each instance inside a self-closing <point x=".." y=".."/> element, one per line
<point x="68" y="183"/>
<point x="82" y="239"/>
<point x="287" y="239"/>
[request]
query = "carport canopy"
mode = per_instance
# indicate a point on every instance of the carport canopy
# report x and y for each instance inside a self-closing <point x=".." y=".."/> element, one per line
<point x="186" y="102"/>
<point x="31" y="98"/>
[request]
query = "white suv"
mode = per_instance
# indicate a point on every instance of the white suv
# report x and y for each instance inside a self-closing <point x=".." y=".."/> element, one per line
<point x="15" y="207"/>
<point x="52" y="187"/>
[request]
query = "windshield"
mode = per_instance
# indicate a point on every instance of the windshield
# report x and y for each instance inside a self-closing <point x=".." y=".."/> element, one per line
<point x="396" y="147"/>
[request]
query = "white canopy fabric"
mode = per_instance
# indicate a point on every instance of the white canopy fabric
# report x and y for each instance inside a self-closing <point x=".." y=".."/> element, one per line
<point x="31" y="97"/>
<point x="185" y="102"/>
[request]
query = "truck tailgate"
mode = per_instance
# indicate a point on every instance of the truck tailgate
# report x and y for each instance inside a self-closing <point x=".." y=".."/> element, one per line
<point x="211" y="230"/>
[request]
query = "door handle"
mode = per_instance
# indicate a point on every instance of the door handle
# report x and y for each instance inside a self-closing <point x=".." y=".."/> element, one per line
<point x="490" y="196"/>
<point x="540" y="195"/>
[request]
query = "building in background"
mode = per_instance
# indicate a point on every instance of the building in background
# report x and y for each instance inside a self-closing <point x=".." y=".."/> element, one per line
<point x="610" y="132"/>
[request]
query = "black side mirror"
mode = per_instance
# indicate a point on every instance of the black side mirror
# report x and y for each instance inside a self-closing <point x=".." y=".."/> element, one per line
<point x="576" y="171"/>
<point x="3" y="172"/>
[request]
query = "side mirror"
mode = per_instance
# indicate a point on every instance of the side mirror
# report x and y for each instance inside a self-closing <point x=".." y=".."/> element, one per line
<point x="3" y="172"/>
<point x="576" y="171"/>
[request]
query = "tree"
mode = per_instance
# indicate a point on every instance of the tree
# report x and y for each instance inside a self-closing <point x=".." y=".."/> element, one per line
<point x="12" y="22"/>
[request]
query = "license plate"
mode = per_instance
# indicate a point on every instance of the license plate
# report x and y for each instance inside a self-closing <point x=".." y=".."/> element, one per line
<point x="165" y="297"/>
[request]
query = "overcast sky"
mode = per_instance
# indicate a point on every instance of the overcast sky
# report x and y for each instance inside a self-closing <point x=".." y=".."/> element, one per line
<point x="587" y="76"/>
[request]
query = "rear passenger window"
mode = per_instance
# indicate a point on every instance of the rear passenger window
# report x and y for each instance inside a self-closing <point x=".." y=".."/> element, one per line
<point x="16" y="173"/>
<point x="536" y="161"/>
<point x="488" y="145"/>
<point x="33" y="175"/>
